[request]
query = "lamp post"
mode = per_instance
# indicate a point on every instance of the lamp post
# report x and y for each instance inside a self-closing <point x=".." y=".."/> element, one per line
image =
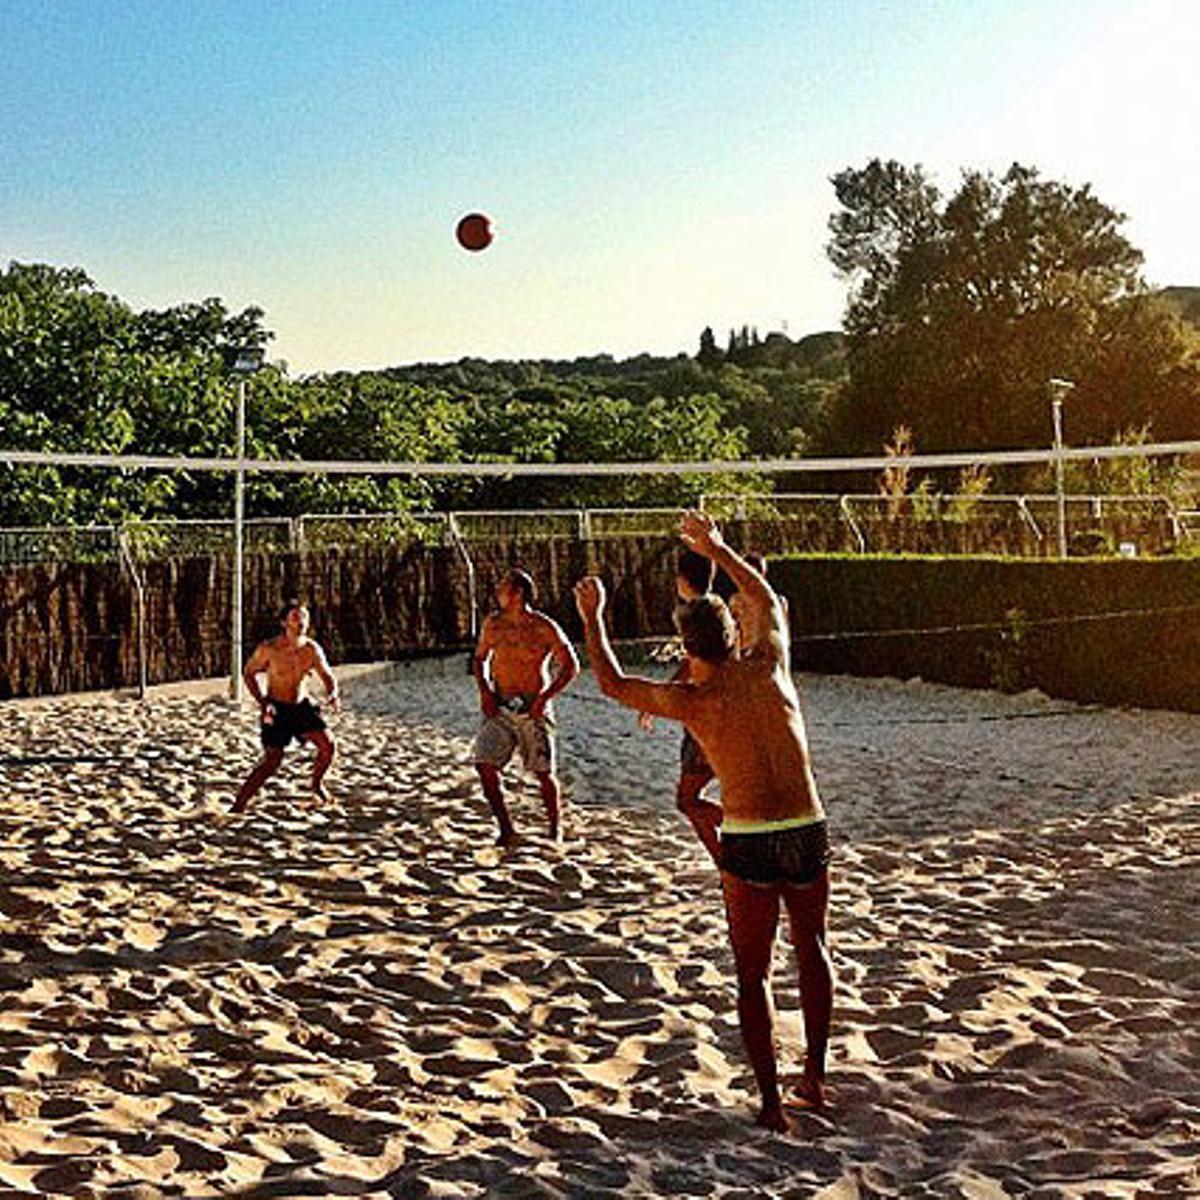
<point x="243" y="362"/>
<point x="1058" y="391"/>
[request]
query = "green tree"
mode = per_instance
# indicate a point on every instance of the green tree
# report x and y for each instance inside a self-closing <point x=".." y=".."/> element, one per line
<point x="961" y="310"/>
<point x="80" y="371"/>
<point x="709" y="356"/>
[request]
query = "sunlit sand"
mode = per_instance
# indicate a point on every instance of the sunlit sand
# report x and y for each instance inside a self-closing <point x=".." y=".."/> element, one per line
<point x="368" y="997"/>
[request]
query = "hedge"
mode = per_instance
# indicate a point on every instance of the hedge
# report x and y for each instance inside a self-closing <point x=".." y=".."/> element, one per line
<point x="1110" y="631"/>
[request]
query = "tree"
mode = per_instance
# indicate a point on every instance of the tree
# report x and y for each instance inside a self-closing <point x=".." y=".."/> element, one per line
<point x="960" y="311"/>
<point x="81" y="371"/>
<point x="709" y="356"/>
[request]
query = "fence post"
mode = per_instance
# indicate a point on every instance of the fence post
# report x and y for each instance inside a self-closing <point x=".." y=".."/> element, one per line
<point x="848" y="515"/>
<point x="1030" y="520"/>
<point x="461" y="546"/>
<point x="139" y="592"/>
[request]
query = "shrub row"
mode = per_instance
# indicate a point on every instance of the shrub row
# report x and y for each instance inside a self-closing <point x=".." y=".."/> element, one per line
<point x="1119" y="632"/>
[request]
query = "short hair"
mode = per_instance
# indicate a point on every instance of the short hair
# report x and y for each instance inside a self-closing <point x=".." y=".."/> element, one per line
<point x="707" y="628"/>
<point x="523" y="582"/>
<point x="696" y="570"/>
<point x="723" y="585"/>
<point x="287" y="606"/>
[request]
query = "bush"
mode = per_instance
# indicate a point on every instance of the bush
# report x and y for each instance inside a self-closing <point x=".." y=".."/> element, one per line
<point x="1113" y="631"/>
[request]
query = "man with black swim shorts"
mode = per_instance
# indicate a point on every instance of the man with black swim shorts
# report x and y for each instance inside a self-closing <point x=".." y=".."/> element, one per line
<point x="774" y="847"/>
<point x="693" y="578"/>
<point x="522" y="661"/>
<point x="285" y="713"/>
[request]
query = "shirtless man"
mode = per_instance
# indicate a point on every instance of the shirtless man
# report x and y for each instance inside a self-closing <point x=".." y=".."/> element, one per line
<point x="753" y="623"/>
<point x="285" y="713"/>
<point x="774" y="846"/>
<point x="517" y="648"/>
<point x="693" y="578"/>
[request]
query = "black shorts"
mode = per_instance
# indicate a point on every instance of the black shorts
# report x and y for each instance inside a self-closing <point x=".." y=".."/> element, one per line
<point x="691" y="757"/>
<point x="795" y="856"/>
<point x="282" y="721"/>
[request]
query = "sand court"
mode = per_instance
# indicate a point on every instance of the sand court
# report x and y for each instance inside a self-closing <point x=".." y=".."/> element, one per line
<point x="369" y="998"/>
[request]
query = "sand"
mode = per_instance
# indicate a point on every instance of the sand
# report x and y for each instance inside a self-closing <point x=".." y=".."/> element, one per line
<point x="369" y="998"/>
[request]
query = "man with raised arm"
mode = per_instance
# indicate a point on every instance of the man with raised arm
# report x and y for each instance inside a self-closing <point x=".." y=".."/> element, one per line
<point x="285" y="713"/>
<point x="774" y="845"/>
<point x="522" y="661"/>
<point x="693" y="578"/>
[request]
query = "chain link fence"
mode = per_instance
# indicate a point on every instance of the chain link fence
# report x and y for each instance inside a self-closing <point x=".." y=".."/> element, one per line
<point x="1024" y="526"/>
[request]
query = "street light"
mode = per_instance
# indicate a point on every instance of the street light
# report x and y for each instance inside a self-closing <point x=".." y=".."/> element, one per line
<point x="242" y="361"/>
<point x="1058" y="391"/>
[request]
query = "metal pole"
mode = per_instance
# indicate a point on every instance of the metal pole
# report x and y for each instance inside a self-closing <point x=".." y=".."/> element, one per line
<point x="139" y="590"/>
<point x="1059" y="480"/>
<point x="239" y="512"/>
<point x="1058" y="389"/>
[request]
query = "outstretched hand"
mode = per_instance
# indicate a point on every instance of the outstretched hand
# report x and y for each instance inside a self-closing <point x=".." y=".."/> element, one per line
<point x="589" y="597"/>
<point x="700" y="533"/>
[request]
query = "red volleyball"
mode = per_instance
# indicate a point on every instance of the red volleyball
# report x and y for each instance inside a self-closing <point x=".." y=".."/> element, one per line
<point x="474" y="232"/>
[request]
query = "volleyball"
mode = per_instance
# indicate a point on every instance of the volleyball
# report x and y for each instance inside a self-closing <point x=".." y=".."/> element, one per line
<point x="474" y="232"/>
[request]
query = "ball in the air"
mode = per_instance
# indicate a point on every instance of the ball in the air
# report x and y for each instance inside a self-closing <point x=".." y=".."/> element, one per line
<point x="474" y="232"/>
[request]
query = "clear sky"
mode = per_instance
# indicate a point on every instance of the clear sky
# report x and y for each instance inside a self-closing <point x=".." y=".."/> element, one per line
<point x="651" y="167"/>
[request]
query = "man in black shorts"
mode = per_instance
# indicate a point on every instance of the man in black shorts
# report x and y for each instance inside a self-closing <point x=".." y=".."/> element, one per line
<point x="285" y="712"/>
<point x="744" y="711"/>
<point x="694" y="578"/>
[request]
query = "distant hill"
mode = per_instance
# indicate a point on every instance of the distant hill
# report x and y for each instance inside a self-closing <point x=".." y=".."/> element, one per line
<point x="820" y="355"/>
<point x="822" y="351"/>
<point x="1185" y="301"/>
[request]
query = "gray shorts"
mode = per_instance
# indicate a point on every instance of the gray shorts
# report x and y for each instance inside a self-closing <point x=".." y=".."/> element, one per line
<point x="512" y="728"/>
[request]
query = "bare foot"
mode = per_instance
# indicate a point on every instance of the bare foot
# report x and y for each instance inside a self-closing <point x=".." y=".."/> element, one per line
<point x="808" y="1094"/>
<point x="772" y="1116"/>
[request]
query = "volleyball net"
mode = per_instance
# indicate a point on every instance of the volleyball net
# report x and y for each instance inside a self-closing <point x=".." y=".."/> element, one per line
<point x="144" y="601"/>
<point x="847" y="514"/>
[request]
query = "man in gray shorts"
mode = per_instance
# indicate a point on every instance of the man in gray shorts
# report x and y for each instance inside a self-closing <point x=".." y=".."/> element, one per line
<point x="523" y="660"/>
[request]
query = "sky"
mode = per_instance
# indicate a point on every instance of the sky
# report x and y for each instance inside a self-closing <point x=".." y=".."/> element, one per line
<point x="651" y="167"/>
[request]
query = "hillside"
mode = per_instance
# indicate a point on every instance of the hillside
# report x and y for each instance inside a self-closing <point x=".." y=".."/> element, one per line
<point x="1185" y="301"/>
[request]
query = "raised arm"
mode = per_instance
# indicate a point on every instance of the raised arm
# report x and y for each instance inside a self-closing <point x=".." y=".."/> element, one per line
<point x="646" y="695"/>
<point x="700" y="532"/>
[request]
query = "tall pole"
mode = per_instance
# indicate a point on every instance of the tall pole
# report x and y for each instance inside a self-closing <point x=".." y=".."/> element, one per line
<point x="1060" y="490"/>
<point x="239" y="512"/>
<point x="1058" y="389"/>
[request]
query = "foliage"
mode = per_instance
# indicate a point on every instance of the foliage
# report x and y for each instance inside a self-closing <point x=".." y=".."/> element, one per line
<point x="973" y="482"/>
<point x="893" y="482"/>
<point x="962" y="309"/>
<point x="1006" y="661"/>
<point x="82" y="371"/>
<point x="1112" y="631"/>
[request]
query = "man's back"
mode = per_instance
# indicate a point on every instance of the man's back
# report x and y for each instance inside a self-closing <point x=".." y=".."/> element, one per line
<point x="747" y="718"/>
